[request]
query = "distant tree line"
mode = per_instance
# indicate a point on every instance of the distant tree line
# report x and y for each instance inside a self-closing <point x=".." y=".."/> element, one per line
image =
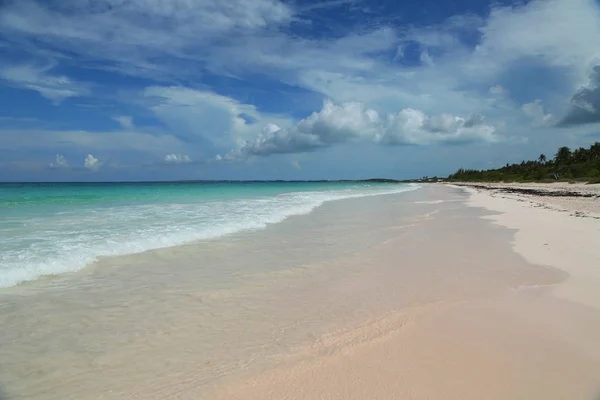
<point x="580" y="164"/>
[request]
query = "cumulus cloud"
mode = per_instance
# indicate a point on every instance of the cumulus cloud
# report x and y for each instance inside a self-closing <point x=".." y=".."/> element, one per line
<point x="585" y="104"/>
<point x="177" y="159"/>
<point x="60" y="162"/>
<point x="414" y="127"/>
<point x="202" y="113"/>
<point x="354" y="122"/>
<point x="442" y="123"/>
<point x="338" y="123"/>
<point x="535" y="111"/>
<point x="280" y="141"/>
<point x="333" y="124"/>
<point x="92" y="163"/>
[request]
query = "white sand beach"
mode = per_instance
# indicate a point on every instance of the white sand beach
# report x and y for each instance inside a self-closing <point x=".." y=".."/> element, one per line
<point x="441" y="293"/>
<point x="531" y="341"/>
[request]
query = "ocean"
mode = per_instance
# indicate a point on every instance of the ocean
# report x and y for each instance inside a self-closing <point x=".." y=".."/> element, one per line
<point x="54" y="228"/>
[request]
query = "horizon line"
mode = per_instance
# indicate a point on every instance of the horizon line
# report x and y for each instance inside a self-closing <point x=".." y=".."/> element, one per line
<point x="216" y="181"/>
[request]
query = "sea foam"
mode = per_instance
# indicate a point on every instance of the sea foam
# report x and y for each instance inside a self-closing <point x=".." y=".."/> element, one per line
<point x="69" y="240"/>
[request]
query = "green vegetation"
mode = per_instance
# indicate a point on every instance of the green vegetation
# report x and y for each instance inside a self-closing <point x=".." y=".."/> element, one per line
<point x="580" y="164"/>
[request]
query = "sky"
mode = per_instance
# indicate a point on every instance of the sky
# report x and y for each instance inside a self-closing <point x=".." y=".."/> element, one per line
<point x="120" y="90"/>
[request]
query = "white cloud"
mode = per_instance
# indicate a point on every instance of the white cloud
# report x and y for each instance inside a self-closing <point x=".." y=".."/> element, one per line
<point x="180" y="18"/>
<point x="54" y="87"/>
<point x="92" y="163"/>
<point x="196" y="113"/>
<point x="60" y="162"/>
<point x="560" y="32"/>
<point x="125" y="121"/>
<point x="411" y="126"/>
<point x="535" y="111"/>
<point x="336" y="123"/>
<point x="443" y="123"/>
<point x="333" y="124"/>
<point x="199" y="112"/>
<point x="133" y="32"/>
<point x="177" y="159"/>
<point x="354" y="122"/>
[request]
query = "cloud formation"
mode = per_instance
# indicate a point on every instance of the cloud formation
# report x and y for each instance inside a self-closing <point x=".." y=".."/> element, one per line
<point x="221" y="75"/>
<point x="132" y="33"/>
<point x="92" y="163"/>
<point x="125" y="121"/>
<point x="414" y="127"/>
<point x="204" y="114"/>
<point x="60" y="162"/>
<point x="354" y="122"/>
<point x="535" y="111"/>
<point x="585" y="103"/>
<point x="177" y="159"/>
<point x="53" y="87"/>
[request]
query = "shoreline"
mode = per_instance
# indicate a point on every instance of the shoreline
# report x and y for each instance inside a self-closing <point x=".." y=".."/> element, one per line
<point x="346" y="303"/>
<point x="494" y="347"/>
<point x="551" y="229"/>
<point x="88" y="255"/>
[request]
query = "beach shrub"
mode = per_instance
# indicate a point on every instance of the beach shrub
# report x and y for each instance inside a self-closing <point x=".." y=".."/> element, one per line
<point x="581" y="165"/>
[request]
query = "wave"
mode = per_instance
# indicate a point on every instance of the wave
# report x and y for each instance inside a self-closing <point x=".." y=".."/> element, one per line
<point x="70" y="240"/>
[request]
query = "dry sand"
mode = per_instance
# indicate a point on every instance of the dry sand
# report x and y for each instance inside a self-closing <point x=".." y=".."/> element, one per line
<point x="548" y="195"/>
<point x="563" y="232"/>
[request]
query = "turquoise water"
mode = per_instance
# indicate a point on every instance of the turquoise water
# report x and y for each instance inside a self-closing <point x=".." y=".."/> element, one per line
<point x="48" y="229"/>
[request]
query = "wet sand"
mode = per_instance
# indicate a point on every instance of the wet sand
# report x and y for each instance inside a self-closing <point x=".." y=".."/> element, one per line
<point x="422" y="295"/>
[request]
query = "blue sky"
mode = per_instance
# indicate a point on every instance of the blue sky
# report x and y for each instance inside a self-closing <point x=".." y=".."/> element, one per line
<point x="269" y="89"/>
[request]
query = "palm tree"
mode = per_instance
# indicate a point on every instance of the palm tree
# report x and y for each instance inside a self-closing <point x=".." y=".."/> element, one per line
<point x="580" y="155"/>
<point x="563" y="155"/>
<point x="542" y="159"/>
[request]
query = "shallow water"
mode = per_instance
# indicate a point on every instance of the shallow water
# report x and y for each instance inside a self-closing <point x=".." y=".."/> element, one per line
<point x="47" y="229"/>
